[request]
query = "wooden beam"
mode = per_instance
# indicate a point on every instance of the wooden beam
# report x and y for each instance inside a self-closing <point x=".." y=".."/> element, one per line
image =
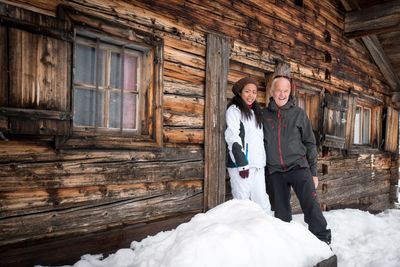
<point x="375" y="49"/>
<point x="35" y="114"/>
<point x="375" y="19"/>
<point x="217" y="66"/>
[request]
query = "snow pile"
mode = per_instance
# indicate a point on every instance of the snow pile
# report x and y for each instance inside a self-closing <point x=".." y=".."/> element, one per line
<point x="235" y="233"/>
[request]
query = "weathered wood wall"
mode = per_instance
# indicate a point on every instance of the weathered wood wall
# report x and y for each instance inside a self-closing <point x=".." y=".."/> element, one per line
<point x="48" y="194"/>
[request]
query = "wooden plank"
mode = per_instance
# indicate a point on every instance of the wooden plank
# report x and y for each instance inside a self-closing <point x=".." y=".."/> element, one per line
<point x="35" y="114"/>
<point x="30" y="151"/>
<point x="383" y="17"/>
<point x="392" y="130"/>
<point x="42" y="253"/>
<point x="3" y="66"/>
<point x="97" y="218"/>
<point x="216" y="81"/>
<point x="3" y="76"/>
<point x="180" y="135"/>
<point x="184" y="104"/>
<point x="74" y="174"/>
<point x="156" y="86"/>
<point x="181" y="57"/>
<point x="22" y="201"/>
<point x="183" y="120"/>
<point x="184" y="73"/>
<point x="178" y="87"/>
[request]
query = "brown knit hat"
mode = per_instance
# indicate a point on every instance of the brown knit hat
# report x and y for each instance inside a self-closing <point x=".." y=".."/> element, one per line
<point x="238" y="86"/>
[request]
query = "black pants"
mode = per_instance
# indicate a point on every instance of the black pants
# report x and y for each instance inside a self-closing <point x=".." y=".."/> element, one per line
<point x="278" y="187"/>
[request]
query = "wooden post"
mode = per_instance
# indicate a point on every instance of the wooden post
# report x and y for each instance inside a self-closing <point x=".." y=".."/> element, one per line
<point x="217" y="67"/>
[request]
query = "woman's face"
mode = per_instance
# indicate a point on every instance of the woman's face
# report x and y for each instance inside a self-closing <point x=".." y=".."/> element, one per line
<point x="249" y="93"/>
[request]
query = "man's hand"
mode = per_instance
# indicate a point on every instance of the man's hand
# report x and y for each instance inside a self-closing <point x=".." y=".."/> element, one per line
<point x="244" y="174"/>
<point x="315" y="180"/>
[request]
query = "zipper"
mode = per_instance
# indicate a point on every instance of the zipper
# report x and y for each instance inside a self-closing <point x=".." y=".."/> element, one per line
<point x="279" y="139"/>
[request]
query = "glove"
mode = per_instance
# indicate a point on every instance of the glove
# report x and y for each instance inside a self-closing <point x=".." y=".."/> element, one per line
<point x="244" y="173"/>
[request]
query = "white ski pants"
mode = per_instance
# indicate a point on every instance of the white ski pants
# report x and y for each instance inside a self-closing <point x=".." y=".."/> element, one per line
<point x="252" y="187"/>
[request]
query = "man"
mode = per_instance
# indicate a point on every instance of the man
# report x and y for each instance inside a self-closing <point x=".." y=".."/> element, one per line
<point x="291" y="159"/>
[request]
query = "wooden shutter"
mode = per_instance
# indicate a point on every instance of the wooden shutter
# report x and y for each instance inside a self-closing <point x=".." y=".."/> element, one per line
<point x="334" y="121"/>
<point x="392" y="130"/>
<point x="38" y="85"/>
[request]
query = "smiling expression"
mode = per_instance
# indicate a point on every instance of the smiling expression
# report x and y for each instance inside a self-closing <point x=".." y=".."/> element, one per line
<point x="281" y="91"/>
<point x="249" y="93"/>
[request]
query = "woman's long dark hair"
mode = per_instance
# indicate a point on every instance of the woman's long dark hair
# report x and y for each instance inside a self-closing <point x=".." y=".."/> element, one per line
<point x="239" y="102"/>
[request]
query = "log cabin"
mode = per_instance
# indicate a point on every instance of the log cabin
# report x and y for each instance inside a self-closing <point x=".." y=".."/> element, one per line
<point x="112" y="111"/>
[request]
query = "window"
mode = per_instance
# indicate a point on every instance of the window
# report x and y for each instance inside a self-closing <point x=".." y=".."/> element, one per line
<point x="107" y="86"/>
<point x="366" y="123"/>
<point x="362" y="125"/>
<point x="309" y="101"/>
<point x="117" y="88"/>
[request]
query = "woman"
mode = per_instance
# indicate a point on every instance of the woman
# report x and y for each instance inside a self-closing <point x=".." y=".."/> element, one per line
<point x="244" y="137"/>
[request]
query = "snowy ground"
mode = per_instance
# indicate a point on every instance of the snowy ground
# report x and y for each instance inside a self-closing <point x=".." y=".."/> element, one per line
<point x="238" y="233"/>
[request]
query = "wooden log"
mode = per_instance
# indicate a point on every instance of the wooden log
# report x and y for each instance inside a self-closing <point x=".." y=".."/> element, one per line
<point x="174" y="86"/>
<point x="183" y="73"/>
<point x="73" y="174"/>
<point x="183" y="120"/>
<point x="188" y="46"/>
<point x="30" y="151"/>
<point x="30" y="201"/>
<point x="183" y="136"/>
<point x="41" y="253"/>
<point x="375" y="19"/>
<point x="184" y="58"/>
<point x="184" y="104"/>
<point x="96" y="218"/>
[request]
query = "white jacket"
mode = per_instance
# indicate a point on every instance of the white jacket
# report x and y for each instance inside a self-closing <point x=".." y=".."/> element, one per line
<point x="248" y="136"/>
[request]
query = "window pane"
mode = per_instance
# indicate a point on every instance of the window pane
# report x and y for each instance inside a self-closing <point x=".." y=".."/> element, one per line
<point x="85" y="106"/>
<point x="357" y="126"/>
<point x="115" y="110"/>
<point x="116" y="75"/>
<point x="85" y="64"/>
<point x="130" y="76"/>
<point x="130" y="101"/>
<point x="367" y="125"/>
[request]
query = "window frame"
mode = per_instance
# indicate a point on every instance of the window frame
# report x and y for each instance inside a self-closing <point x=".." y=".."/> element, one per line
<point x="375" y="128"/>
<point x="141" y="52"/>
<point x="150" y="121"/>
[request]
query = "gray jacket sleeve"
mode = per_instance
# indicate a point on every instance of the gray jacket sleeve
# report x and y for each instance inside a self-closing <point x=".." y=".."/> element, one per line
<point x="308" y="140"/>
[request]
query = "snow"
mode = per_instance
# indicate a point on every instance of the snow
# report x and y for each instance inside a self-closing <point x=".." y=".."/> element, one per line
<point x="238" y="233"/>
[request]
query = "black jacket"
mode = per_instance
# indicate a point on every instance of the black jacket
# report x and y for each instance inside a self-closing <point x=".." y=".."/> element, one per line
<point x="288" y="138"/>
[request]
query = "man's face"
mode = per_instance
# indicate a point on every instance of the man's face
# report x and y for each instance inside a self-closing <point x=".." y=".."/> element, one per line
<point x="281" y="91"/>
